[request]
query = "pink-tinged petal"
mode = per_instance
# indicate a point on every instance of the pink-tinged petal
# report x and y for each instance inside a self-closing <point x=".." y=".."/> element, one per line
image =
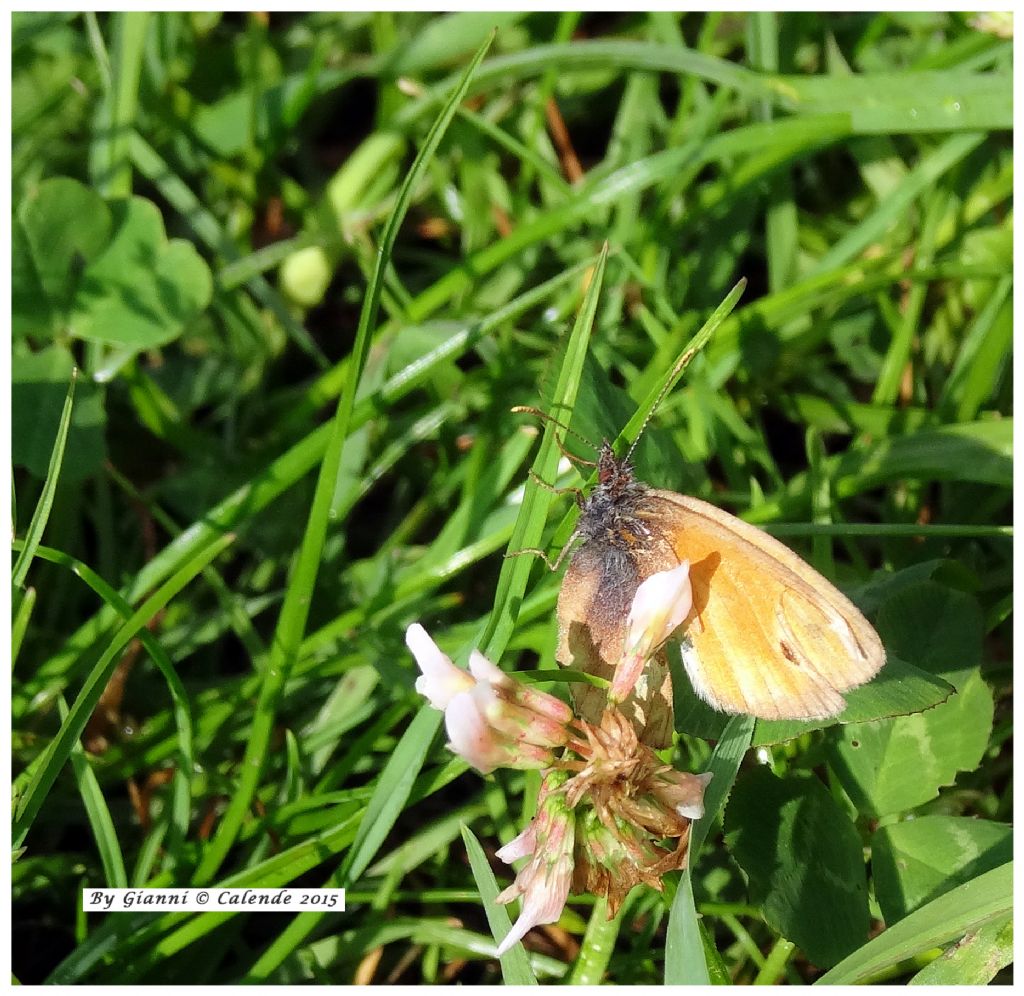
<point x="519" y="847"/>
<point x="515" y="691"/>
<point x="516" y="724"/>
<point x="441" y="680"/>
<point x="544" y="883"/>
<point x="541" y="703"/>
<point x="683" y="792"/>
<point x="514" y="891"/>
<point x="627" y="673"/>
<point x="526" y="757"/>
<point x="542" y="903"/>
<point x="470" y="736"/>
<point x="484" y="670"/>
<point x="659" y="607"/>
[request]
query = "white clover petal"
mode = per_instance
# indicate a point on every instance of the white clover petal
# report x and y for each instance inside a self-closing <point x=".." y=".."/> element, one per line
<point x="544" y="884"/>
<point x="470" y="736"/>
<point x="484" y="670"/>
<point x="521" y="846"/>
<point x="661" y="604"/>
<point x="441" y="680"/>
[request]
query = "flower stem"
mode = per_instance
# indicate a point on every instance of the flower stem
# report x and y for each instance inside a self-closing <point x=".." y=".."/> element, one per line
<point x="598" y="945"/>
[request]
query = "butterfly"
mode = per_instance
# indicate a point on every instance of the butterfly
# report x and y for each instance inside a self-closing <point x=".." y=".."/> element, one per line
<point x="767" y="635"/>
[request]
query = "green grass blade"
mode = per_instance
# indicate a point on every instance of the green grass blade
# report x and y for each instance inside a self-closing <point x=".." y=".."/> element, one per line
<point x="724" y="766"/>
<point x="774" y="966"/>
<point x="284" y="471"/>
<point x="685" y="958"/>
<point x="114" y="177"/>
<point x="887" y="103"/>
<point x="390" y="796"/>
<point x="98" y="813"/>
<point x="22" y="614"/>
<point x="954" y="914"/>
<point x="391" y="792"/>
<point x="181" y="799"/>
<point x="685" y="962"/>
<point x="784" y="140"/>
<point x="975" y="961"/>
<point x="604" y="55"/>
<point x="671" y="378"/>
<point x="295" y="611"/>
<point x="529" y="525"/>
<point x="42" y="513"/>
<point x="515" y="965"/>
<point x="985" y="349"/>
<point x="175" y="932"/>
<point x="920" y="179"/>
<point x="59" y="749"/>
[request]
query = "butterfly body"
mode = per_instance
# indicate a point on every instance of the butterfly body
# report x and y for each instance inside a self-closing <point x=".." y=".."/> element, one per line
<point x="767" y="635"/>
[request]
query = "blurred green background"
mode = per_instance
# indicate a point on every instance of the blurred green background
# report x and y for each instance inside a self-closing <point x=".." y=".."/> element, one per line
<point x="200" y="201"/>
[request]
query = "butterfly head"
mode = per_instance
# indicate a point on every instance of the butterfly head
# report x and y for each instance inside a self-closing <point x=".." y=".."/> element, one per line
<point x="609" y="509"/>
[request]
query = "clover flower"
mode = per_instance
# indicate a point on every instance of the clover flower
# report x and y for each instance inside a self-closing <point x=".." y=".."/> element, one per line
<point x="608" y="803"/>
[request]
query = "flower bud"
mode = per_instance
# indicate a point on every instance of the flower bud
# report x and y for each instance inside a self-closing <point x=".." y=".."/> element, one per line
<point x="441" y="680"/>
<point x="517" y="723"/>
<point x="660" y="606"/>
<point x="680" y="791"/>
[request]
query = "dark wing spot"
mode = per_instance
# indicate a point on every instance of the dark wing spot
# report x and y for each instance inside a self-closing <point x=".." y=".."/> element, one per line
<point x="788" y="653"/>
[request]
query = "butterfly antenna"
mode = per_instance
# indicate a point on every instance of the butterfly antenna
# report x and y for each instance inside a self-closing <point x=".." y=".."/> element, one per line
<point x="681" y="364"/>
<point x="544" y="416"/>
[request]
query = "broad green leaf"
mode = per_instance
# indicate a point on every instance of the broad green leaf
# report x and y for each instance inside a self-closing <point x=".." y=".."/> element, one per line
<point x="63" y="226"/>
<point x="39" y="382"/>
<point x="803" y="860"/>
<point x="985" y="899"/>
<point x="879" y="589"/>
<point x="972" y="451"/>
<point x="899" y="689"/>
<point x="934" y="627"/>
<point x="31" y="313"/>
<point x="107" y="271"/>
<point x="979" y="452"/>
<point x="896" y="764"/>
<point x="142" y="290"/>
<point x="918" y="860"/>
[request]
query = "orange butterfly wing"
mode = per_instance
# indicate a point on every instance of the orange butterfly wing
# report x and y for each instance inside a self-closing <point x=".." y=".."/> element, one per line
<point x="768" y="635"/>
